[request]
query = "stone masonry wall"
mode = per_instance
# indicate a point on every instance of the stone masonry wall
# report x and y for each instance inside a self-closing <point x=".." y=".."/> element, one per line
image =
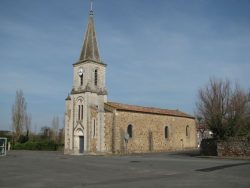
<point x="108" y="131"/>
<point x="234" y="148"/>
<point x="92" y="137"/>
<point x="149" y="132"/>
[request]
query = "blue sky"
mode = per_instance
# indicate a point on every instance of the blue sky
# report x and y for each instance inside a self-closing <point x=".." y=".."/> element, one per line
<point x="159" y="53"/>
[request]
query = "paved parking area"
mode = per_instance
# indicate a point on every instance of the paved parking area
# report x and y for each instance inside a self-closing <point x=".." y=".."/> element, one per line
<point x="53" y="169"/>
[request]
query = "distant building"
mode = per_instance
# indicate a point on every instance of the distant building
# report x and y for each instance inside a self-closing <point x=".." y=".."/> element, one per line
<point x="94" y="125"/>
<point x="4" y="133"/>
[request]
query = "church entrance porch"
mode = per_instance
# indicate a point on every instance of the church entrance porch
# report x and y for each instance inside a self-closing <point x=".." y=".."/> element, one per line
<point x="79" y="142"/>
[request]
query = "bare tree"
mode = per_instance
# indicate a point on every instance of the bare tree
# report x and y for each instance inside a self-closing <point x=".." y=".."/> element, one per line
<point x="27" y="124"/>
<point x="61" y="136"/>
<point x="46" y="132"/>
<point x="248" y="113"/>
<point x="19" y="114"/>
<point x="55" y="127"/>
<point x="223" y="108"/>
<point x="237" y="113"/>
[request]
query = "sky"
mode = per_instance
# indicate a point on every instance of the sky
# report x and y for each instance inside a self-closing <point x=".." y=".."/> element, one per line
<point x="159" y="53"/>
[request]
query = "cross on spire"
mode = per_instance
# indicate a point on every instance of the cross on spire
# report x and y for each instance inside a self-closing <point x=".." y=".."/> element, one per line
<point x="91" y="7"/>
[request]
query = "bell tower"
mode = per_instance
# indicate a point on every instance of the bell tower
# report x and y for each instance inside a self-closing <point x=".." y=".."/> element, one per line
<point x="84" y="116"/>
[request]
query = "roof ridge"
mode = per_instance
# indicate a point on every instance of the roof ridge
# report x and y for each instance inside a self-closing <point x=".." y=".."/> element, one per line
<point x="143" y="106"/>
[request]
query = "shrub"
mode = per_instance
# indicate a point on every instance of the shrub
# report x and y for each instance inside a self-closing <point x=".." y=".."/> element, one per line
<point x="22" y="139"/>
<point x="208" y="147"/>
<point x="36" y="145"/>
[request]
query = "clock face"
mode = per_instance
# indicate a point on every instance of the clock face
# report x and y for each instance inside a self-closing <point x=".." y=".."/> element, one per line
<point x="80" y="72"/>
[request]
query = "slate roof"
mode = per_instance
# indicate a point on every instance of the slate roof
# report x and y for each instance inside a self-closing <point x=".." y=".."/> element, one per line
<point x="150" y="110"/>
<point x="90" y="48"/>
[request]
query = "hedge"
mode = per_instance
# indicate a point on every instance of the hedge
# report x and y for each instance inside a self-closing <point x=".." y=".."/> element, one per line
<point x="36" y="145"/>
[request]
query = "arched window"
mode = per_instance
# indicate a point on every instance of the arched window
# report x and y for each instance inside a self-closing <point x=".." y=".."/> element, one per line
<point x="130" y="131"/>
<point x="80" y="112"/>
<point x="166" y="132"/>
<point x="94" y="127"/>
<point x="187" y="130"/>
<point x="80" y="109"/>
<point x="96" y="77"/>
<point x="81" y="79"/>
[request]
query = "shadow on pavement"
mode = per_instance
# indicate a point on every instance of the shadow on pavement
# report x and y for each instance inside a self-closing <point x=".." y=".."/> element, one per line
<point x="221" y="167"/>
<point x="189" y="153"/>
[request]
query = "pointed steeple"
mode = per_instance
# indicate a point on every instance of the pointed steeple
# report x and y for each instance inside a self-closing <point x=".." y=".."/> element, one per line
<point x="90" y="49"/>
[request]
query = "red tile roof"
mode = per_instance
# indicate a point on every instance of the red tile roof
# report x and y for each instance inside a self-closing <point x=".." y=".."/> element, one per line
<point x="150" y="110"/>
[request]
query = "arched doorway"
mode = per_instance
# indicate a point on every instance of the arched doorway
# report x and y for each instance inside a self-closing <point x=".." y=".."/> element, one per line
<point x="79" y="140"/>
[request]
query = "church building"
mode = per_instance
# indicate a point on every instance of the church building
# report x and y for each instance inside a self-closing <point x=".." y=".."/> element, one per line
<point x="95" y="125"/>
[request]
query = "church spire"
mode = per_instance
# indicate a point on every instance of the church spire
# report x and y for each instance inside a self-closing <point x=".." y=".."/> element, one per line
<point x="90" y="49"/>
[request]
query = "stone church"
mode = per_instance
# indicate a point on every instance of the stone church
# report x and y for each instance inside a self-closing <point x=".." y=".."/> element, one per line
<point x="95" y="125"/>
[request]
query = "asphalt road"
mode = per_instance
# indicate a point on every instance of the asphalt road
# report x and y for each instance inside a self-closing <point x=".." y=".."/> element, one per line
<point x="53" y="169"/>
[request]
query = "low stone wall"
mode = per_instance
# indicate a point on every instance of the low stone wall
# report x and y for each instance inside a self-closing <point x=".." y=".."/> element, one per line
<point x="234" y="148"/>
